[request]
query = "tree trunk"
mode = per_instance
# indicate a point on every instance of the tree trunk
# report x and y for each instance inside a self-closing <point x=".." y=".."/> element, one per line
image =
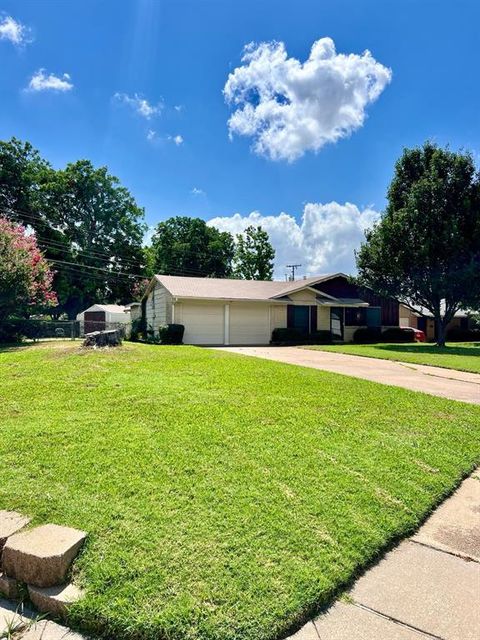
<point x="440" y="330"/>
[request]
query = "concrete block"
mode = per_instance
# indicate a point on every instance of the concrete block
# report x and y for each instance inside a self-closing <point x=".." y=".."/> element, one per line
<point x="10" y="523"/>
<point x="54" y="600"/>
<point x="8" y="587"/>
<point x="42" y="556"/>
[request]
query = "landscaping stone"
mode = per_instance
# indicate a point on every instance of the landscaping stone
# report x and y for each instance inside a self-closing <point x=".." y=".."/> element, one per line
<point x="47" y="630"/>
<point x="427" y="589"/>
<point x="8" y="587"/>
<point x="42" y="556"/>
<point x="344" y="621"/>
<point x="455" y="525"/>
<point x="54" y="600"/>
<point x="10" y="523"/>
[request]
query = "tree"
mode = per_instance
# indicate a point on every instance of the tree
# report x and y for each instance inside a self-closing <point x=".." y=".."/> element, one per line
<point x="425" y="250"/>
<point x="25" y="276"/>
<point x="254" y="255"/>
<point x="100" y="254"/>
<point x="86" y="223"/>
<point x="187" y="246"/>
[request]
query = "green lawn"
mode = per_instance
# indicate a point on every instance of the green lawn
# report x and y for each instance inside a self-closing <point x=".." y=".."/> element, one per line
<point x="463" y="357"/>
<point x="226" y="497"/>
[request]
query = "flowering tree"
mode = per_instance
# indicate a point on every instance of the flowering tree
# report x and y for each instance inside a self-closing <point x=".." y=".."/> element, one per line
<point x="25" y="277"/>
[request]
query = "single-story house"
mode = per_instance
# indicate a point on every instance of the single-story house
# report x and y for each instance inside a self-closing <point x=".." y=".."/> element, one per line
<point x="102" y="316"/>
<point x="421" y="318"/>
<point x="234" y="312"/>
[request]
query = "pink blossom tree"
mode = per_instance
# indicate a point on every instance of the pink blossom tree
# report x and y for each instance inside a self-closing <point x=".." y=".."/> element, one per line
<point x="25" y="276"/>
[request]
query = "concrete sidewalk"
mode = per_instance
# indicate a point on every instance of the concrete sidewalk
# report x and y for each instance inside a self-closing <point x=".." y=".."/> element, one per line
<point x="428" y="587"/>
<point x="447" y="383"/>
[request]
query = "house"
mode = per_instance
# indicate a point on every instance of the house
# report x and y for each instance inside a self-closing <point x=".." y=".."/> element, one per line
<point x="420" y="318"/>
<point x="225" y="311"/>
<point x="102" y="316"/>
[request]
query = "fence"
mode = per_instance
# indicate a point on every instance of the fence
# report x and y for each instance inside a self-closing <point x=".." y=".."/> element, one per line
<point x="32" y="329"/>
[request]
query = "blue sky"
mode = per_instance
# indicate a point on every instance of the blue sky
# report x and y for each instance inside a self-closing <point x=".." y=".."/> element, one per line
<point x="177" y="56"/>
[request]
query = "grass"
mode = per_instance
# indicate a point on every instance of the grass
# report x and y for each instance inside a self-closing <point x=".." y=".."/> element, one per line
<point x="463" y="356"/>
<point x="225" y="497"/>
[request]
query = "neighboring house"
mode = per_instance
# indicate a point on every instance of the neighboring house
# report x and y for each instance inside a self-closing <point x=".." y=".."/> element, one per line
<point x="223" y="311"/>
<point x="421" y="318"/>
<point x="102" y="316"/>
<point x="135" y="309"/>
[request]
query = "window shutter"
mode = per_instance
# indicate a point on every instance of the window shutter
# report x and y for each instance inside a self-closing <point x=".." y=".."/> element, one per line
<point x="290" y="316"/>
<point x="313" y="318"/>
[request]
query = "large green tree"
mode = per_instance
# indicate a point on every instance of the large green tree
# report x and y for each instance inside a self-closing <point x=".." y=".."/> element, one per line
<point x="87" y="224"/>
<point x="189" y="247"/>
<point x="254" y="255"/>
<point x="425" y="250"/>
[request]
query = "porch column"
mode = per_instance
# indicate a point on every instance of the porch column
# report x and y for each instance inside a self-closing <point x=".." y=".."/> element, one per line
<point x="226" y="339"/>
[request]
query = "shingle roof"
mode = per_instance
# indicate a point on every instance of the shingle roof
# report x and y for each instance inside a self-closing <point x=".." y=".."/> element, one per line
<point x="230" y="289"/>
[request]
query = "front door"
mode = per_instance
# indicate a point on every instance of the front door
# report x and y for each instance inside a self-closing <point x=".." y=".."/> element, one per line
<point x="301" y="318"/>
<point x="336" y="322"/>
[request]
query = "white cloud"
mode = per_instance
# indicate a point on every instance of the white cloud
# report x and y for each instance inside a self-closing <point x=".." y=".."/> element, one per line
<point x="178" y="140"/>
<point x="289" y="107"/>
<point x="139" y="104"/>
<point x="178" y="107"/>
<point x="40" y="81"/>
<point x="322" y="242"/>
<point x="198" y="192"/>
<point x="14" y="31"/>
<point x="151" y="134"/>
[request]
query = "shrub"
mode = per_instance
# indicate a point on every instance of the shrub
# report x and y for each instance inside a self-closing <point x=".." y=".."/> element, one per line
<point x="294" y="336"/>
<point x="171" y="334"/>
<point x="398" y="334"/>
<point x="367" y="335"/>
<point x="137" y="330"/>
<point x="287" y="336"/>
<point x="320" y="337"/>
<point x="456" y="334"/>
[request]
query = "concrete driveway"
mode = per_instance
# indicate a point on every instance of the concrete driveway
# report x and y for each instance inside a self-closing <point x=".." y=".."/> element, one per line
<point x="448" y="383"/>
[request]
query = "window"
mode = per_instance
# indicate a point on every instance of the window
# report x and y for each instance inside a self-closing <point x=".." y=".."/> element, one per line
<point x="363" y="316"/>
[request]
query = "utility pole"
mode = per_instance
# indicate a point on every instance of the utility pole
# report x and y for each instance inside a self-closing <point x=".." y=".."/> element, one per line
<point x="293" y="267"/>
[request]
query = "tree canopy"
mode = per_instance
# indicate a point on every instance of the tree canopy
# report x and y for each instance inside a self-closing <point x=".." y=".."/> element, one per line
<point x="189" y="247"/>
<point x="25" y="277"/>
<point x="254" y="255"/>
<point x="85" y="221"/>
<point x="425" y="250"/>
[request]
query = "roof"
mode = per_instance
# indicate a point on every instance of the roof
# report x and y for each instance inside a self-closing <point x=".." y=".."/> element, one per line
<point x="423" y="311"/>
<point x="232" y="289"/>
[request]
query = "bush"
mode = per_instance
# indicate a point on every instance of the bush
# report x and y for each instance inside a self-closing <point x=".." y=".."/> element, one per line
<point x="367" y="335"/>
<point x="320" y="337"/>
<point x="456" y="334"/>
<point x="171" y="334"/>
<point x="287" y="336"/>
<point x="294" y="336"/>
<point x="137" y="330"/>
<point x="398" y="334"/>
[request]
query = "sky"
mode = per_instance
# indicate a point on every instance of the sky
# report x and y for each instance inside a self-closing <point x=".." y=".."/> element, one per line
<point x="284" y="114"/>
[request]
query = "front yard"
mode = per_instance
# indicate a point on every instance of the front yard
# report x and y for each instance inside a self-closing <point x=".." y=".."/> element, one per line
<point x="460" y="356"/>
<point x="226" y="497"/>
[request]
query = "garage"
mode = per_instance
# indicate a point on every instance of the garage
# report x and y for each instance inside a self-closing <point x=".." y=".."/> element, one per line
<point x="249" y="323"/>
<point x="204" y="322"/>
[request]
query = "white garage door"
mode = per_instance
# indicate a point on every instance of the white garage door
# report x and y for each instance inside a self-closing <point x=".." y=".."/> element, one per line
<point x="204" y="323"/>
<point x="249" y="324"/>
